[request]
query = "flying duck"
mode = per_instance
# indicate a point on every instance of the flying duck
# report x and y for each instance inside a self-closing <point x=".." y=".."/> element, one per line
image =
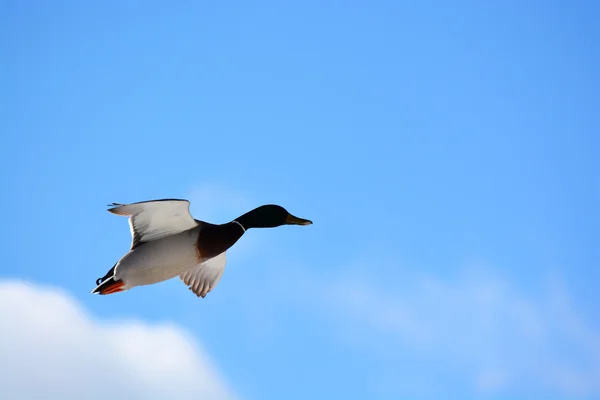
<point x="168" y="242"/>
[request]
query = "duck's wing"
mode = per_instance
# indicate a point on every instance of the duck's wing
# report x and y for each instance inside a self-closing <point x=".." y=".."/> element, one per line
<point x="204" y="277"/>
<point x="152" y="220"/>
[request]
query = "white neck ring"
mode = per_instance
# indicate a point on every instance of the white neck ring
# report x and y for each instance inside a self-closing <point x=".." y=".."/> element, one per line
<point x="241" y="226"/>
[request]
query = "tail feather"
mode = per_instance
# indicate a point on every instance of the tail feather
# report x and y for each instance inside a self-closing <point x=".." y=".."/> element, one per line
<point x="109" y="286"/>
<point x="110" y="273"/>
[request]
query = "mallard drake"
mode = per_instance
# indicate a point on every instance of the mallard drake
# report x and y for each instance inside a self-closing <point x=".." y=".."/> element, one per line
<point x="168" y="242"/>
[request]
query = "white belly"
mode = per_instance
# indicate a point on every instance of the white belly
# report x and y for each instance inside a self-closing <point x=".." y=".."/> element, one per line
<point x="159" y="260"/>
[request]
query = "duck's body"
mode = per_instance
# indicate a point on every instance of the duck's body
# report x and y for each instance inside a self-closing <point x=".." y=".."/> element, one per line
<point x="167" y="242"/>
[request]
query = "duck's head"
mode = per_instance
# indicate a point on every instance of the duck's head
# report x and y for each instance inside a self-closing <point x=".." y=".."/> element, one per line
<point x="270" y="216"/>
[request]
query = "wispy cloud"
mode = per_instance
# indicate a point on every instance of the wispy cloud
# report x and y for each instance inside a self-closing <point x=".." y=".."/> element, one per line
<point x="495" y="335"/>
<point x="51" y="347"/>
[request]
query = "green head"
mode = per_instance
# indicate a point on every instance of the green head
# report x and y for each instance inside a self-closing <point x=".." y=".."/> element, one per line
<point x="269" y="216"/>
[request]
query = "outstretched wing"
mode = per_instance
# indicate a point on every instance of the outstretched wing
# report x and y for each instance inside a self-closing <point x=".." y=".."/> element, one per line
<point x="151" y="220"/>
<point x="204" y="277"/>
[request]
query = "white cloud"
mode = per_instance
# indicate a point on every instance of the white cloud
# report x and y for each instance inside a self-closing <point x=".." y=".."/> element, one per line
<point x="478" y="326"/>
<point x="50" y="347"/>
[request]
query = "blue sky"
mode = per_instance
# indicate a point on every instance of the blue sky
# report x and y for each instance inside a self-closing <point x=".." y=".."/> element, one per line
<point x="447" y="154"/>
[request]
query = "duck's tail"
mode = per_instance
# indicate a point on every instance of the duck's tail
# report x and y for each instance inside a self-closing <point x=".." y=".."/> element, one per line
<point x="108" y="284"/>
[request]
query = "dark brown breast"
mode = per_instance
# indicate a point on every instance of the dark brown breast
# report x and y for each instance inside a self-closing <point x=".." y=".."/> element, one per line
<point x="215" y="239"/>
